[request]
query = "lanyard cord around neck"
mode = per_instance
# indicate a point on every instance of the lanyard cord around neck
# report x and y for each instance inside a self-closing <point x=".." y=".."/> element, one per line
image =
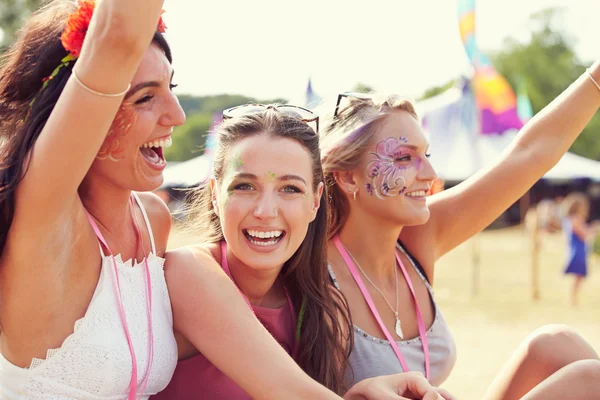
<point x="132" y="395"/>
<point x="367" y="296"/>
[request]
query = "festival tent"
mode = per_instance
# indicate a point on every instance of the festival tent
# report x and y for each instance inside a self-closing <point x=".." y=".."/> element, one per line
<point x="458" y="150"/>
<point x="188" y="173"/>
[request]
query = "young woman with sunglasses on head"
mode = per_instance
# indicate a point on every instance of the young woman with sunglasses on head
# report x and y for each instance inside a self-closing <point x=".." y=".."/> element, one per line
<point x="263" y="219"/>
<point x="83" y="92"/>
<point x="386" y="235"/>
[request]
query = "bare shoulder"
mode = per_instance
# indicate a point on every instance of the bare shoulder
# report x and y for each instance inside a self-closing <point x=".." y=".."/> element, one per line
<point x="159" y="217"/>
<point x="189" y="268"/>
<point x="194" y="256"/>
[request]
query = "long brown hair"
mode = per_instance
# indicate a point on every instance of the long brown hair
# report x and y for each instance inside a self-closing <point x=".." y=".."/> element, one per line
<point x="24" y="107"/>
<point x="326" y="330"/>
<point x="344" y="140"/>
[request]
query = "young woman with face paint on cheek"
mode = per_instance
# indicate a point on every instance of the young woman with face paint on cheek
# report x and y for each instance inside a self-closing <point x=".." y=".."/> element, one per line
<point x="386" y="236"/>
<point x="263" y="220"/>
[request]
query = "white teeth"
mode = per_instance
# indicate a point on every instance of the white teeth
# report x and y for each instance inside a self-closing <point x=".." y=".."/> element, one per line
<point x="164" y="143"/>
<point x="417" y="193"/>
<point x="264" y="235"/>
<point x="269" y="243"/>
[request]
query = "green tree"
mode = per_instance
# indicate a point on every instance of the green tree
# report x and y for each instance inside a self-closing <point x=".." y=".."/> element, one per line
<point x="189" y="139"/>
<point x="545" y="66"/>
<point x="362" y="88"/>
<point x="12" y="16"/>
<point x="436" y="90"/>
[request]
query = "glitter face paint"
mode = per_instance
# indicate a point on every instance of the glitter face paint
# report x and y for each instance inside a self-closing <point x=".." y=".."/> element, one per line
<point x="236" y="165"/>
<point x="124" y="120"/>
<point x="391" y="160"/>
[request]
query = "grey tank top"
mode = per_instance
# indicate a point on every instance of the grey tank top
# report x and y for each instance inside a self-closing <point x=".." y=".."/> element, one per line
<point x="372" y="356"/>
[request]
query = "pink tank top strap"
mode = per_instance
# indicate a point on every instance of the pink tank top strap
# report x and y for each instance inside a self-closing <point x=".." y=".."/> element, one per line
<point x="367" y="296"/>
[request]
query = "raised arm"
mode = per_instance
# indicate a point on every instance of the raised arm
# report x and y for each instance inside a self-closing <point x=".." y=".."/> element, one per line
<point x="119" y="33"/>
<point x="466" y="209"/>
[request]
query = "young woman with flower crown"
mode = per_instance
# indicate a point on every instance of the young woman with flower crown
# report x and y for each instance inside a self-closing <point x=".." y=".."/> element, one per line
<point x="82" y="93"/>
<point x="85" y="109"/>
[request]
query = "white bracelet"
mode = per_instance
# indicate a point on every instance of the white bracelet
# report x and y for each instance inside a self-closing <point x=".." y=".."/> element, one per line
<point x="92" y="91"/>
<point x="592" y="78"/>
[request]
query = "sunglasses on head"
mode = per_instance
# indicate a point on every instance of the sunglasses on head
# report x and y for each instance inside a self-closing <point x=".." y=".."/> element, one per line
<point x="301" y="113"/>
<point x="350" y="95"/>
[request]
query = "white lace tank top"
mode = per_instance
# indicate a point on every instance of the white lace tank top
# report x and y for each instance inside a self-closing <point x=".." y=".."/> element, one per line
<point x="94" y="362"/>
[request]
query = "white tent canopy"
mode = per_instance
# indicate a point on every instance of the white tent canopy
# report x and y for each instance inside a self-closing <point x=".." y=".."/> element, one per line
<point x="457" y="152"/>
<point x="188" y="173"/>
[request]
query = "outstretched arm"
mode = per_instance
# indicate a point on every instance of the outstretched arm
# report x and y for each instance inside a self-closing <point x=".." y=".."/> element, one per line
<point x="210" y="312"/>
<point x="211" y="316"/>
<point x="466" y="209"/>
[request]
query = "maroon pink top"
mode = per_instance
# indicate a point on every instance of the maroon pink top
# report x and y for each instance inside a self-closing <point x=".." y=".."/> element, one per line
<point x="197" y="378"/>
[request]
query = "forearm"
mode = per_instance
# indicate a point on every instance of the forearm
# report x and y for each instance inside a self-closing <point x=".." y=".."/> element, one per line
<point x="210" y="312"/>
<point x="554" y="129"/>
<point x="120" y="32"/>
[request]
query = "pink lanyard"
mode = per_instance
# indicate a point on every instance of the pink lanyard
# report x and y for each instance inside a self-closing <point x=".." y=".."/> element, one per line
<point x="133" y="383"/>
<point x="420" y="323"/>
<point x="225" y="266"/>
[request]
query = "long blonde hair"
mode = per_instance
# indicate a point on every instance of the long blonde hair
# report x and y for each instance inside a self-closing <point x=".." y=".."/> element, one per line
<point x="576" y="203"/>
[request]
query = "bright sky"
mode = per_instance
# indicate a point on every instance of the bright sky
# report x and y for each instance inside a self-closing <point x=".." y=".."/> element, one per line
<point x="269" y="48"/>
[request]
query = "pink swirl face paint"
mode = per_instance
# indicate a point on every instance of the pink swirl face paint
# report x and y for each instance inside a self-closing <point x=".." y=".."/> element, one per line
<point x="389" y="165"/>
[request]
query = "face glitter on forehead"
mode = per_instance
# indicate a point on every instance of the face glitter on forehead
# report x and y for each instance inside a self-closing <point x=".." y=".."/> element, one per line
<point x="391" y="159"/>
<point x="238" y="162"/>
<point x="270" y="175"/>
<point x="124" y="120"/>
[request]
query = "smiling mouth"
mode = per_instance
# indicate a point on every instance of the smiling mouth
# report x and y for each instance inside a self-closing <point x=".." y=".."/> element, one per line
<point x="153" y="151"/>
<point x="417" y="193"/>
<point x="264" y="238"/>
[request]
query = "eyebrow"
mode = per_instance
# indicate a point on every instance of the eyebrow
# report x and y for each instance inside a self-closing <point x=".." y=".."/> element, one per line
<point x="413" y="147"/>
<point x="144" y="85"/>
<point x="288" y="177"/>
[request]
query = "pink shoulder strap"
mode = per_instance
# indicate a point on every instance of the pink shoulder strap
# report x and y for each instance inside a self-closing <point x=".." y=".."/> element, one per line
<point x="133" y="387"/>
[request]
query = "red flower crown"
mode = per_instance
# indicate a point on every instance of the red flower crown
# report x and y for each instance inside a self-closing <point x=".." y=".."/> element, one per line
<point x="78" y="24"/>
<point x="74" y="34"/>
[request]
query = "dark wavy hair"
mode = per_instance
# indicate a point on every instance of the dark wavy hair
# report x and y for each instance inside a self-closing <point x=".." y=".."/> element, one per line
<point x="326" y="331"/>
<point x="24" y="107"/>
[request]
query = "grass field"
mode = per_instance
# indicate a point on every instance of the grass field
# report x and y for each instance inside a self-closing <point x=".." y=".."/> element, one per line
<point x="490" y="325"/>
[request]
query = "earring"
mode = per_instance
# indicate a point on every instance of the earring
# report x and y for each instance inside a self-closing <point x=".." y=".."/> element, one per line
<point x="356" y="191"/>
